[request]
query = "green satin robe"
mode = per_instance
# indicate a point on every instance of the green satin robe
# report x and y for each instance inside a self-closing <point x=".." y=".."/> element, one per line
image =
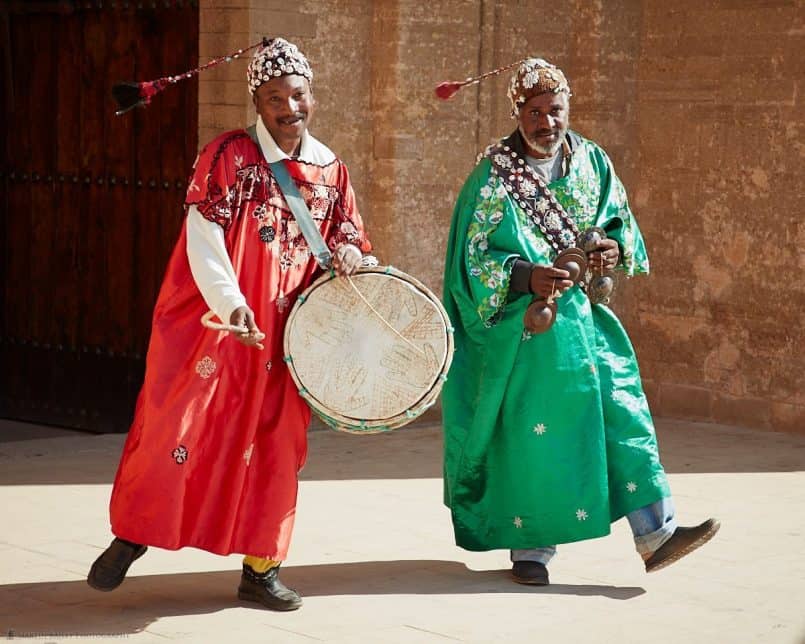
<point x="548" y="437"/>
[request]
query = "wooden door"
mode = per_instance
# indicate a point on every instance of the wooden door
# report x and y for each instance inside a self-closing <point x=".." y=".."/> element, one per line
<point x="91" y="202"/>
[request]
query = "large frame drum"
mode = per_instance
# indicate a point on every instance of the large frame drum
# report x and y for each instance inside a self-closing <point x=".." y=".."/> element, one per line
<point x="368" y="353"/>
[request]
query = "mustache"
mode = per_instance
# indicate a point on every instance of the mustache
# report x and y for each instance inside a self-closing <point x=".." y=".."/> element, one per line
<point x="533" y="138"/>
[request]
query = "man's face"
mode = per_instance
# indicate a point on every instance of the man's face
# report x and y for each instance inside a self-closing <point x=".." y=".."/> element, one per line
<point x="286" y="106"/>
<point x="543" y="122"/>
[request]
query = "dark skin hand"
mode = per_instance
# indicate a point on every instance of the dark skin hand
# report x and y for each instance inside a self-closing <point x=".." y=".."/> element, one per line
<point x="244" y="317"/>
<point x="605" y="257"/>
<point x="547" y="281"/>
<point x="346" y="260"/>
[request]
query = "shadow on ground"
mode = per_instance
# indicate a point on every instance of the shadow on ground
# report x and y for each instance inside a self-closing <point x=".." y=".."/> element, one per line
<point x="409" y="453"/>
<point x="73" y="608"/>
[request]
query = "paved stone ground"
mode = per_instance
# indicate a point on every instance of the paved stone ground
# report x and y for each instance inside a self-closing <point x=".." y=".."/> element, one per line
<point x="374" y="558"/>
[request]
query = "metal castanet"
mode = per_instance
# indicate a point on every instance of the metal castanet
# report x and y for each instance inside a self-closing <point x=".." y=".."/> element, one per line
<point x="541" y="313"/>
<point x="601" y="284"/>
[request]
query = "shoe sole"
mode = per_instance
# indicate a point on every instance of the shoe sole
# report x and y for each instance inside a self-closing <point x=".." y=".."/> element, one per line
<point x="687" y="550"/>
<point x="107" y="589"/>
<point x="531" y="582"/>
<point x="249" y="597"/>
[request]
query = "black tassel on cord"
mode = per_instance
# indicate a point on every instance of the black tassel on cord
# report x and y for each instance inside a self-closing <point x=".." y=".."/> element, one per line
<point x="128" y="96"/>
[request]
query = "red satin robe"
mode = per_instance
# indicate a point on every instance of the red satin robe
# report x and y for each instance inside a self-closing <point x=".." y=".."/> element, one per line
<point x="219" y="433"/>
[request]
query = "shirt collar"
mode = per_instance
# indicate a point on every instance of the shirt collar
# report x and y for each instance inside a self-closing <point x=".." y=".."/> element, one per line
<point x="310" y="151"/>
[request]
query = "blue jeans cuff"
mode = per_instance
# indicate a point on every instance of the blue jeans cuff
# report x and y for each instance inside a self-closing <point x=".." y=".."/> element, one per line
<point x="540" y="555"/>
<point x="652" y="525"/>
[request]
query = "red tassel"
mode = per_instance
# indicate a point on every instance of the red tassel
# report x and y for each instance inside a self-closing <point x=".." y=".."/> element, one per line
<point x="149" y="89"/>
<point x="448" y="89"/>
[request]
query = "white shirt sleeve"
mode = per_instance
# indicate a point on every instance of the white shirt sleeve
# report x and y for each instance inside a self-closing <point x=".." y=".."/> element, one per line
<point x="211" y="266"/>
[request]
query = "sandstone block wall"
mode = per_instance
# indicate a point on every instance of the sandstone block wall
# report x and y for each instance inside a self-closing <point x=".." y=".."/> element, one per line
<point x="699" y="103"/>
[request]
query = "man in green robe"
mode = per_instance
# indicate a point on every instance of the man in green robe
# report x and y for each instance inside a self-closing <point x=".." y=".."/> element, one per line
<point x="548" y="436"/>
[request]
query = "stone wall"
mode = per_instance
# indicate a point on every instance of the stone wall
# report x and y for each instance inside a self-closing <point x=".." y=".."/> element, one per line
<point x="699" y="103"/>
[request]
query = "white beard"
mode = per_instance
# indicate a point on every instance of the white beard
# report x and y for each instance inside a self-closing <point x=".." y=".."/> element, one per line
<point x="548" y="150"/>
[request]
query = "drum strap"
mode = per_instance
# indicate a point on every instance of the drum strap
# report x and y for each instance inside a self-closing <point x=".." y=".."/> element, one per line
<point x="299" y="208"/>
<point x="303" y="217"/>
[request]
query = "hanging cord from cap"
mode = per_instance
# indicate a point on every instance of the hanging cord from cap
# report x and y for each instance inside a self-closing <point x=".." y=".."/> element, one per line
<point x="448" y="89"/>
<point x="132" y="94"/>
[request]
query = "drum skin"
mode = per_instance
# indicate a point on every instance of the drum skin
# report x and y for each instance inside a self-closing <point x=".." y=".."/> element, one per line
<point x="368" y="353"/>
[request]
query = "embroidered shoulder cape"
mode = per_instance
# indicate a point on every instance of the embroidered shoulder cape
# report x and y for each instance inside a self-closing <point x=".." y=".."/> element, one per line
<point x="548" y="438"/>
<point x="219" y="433"/>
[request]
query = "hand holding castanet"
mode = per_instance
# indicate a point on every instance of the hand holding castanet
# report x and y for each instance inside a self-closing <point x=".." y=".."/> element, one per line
<point x="548" y="283"/>
<point x="603" y="255"/>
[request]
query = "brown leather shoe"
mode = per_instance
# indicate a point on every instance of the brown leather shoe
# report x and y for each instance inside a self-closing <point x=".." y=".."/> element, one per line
<point x="267" y="589"/>
<point x="109" y="570"/>
<point x="682" y="542"/>
<point x="530" y="572"/>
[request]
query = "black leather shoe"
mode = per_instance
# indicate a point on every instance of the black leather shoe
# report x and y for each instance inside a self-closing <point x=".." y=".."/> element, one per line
<point x="682" y="542"/>
<point x="267" y="589"/>
<point x="109" y="570"/>
<point x="530" y="572"/>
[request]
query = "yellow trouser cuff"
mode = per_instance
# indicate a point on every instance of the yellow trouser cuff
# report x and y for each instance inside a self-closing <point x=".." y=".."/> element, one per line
<point x="260" y="565"/>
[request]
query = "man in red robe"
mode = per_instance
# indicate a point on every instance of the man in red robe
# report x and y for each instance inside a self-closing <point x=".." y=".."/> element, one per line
<point x="219" y="433"/>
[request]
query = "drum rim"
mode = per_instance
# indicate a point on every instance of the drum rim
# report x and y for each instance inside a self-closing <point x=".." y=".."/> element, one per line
<point x="350" y="424"/>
